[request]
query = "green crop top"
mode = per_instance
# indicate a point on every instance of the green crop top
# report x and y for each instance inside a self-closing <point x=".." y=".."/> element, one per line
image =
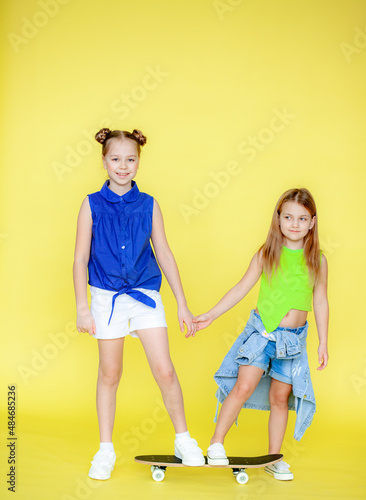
<point x="289" y="288"/>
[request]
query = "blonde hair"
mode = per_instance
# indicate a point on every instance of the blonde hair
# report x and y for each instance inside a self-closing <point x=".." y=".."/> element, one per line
<point x="271" y="250"/>
<point x="105" y="135"/>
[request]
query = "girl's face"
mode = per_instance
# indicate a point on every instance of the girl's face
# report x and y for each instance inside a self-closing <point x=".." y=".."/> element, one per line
<point x="295" y="222"/>
<point x="121" y="163"/>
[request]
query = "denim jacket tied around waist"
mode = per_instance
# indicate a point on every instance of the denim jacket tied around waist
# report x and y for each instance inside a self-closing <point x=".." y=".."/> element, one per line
<point x="290" y="345"/>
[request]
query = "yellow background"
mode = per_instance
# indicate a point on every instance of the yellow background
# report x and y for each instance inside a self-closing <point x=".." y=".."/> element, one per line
<point x="202" y="80"/>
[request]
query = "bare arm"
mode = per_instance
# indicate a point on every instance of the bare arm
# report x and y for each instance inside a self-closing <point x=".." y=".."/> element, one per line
<point x="169" y="267"/>
<point x="234" y="295"/>
<point x="84" y="321"/>
<point x="321" y="312"/>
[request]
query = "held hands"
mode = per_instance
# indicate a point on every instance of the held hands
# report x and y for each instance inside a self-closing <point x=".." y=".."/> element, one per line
<point x="185" y="317"/>
<point x="323" y="357"/>
<point x="203" y="320"/>
<point x="85" y="322"/>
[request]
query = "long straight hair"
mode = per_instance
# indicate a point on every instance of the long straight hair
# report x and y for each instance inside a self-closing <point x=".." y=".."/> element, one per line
<point x="271" y="250"/>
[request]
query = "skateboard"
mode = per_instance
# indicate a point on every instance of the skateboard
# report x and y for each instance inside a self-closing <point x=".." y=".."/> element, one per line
<point x="159" y="463"/>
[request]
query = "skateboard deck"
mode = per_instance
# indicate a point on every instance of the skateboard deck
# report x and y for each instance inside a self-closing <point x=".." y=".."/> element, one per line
<point x="159" y="463"/>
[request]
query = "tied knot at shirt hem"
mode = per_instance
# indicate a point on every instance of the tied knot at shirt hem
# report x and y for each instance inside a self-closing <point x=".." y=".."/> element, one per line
<point x="135" y="294"/>
<point x="121" y="257"/>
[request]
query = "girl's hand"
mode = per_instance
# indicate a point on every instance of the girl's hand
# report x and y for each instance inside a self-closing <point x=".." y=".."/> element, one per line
<point x="323" y="357"/>
<point x="85" y="323"/>
<point x="203" y="320"/>
<point x="185" y="317"/>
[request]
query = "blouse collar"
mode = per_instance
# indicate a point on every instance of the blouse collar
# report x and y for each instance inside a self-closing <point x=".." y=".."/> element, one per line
<point x="113" y="197"/>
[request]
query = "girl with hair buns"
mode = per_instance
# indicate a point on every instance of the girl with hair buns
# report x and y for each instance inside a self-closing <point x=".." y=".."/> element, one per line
<point x="114" y="229"/>
<point x="267" y="367"/>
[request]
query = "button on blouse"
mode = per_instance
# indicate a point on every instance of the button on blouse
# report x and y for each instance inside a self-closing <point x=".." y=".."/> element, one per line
<point x="121" y="257"/>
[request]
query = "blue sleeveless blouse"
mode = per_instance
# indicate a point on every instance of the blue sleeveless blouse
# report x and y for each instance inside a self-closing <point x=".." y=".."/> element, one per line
<point x="121" y="258"/>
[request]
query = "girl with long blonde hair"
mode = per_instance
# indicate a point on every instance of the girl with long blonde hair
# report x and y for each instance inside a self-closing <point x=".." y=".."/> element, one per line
<point x="267" y="367"/>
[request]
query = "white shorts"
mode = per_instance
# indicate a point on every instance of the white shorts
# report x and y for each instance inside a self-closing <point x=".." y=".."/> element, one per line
<point x="128" y="316"/>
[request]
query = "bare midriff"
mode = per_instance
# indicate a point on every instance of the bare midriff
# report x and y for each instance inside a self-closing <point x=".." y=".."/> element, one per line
<point x="293" y="319"/>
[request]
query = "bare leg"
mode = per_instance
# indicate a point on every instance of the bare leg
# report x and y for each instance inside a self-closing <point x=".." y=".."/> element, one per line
<point x="109" y="375"/>
<point x="156" y="346"/>
<point x="248" y="379"/>
<point x="278" y="397"/>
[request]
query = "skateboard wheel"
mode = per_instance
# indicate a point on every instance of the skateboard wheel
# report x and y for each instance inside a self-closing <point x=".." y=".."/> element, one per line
<point x="242" y="477"/>
<point x="158" y="474"/>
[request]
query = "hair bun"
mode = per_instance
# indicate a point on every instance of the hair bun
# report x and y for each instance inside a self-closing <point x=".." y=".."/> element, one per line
<point x="139" y="136"/>
<point x="101" y="136"/>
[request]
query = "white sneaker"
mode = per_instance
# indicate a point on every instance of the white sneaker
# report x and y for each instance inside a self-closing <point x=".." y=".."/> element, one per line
<point x="187" y="450"/>
<point x="280" y="470"/>
<point x="216" y="455"/>
<point x="102" y="465"/>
